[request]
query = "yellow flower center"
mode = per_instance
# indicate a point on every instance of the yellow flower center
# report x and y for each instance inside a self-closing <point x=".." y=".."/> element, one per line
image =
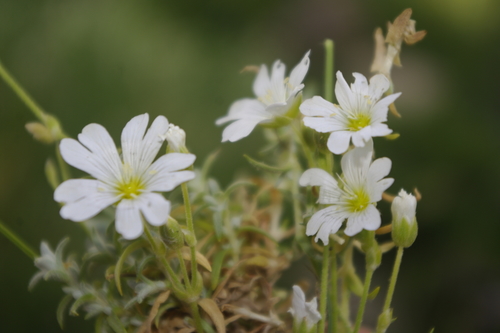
<point x="360" y="121"/>
<point x="130" y="189"/>
<point x="358" y="202"/>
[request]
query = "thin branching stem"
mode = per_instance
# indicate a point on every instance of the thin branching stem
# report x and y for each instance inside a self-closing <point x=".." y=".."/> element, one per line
<point x="190" y="225"/>
<point x="362" y="303"/>
<point x="324" y="289"/>
<point x="21" y="245"/>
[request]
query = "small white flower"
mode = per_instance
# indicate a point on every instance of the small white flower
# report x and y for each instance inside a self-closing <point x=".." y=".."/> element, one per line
<point x="302" y="310"/>
<point x="361" y="186"/>
<point x="129" y="182"/>
<point x="176" y="138"/>
<point x="276" y="95"/>
<point x="360" y="115"/>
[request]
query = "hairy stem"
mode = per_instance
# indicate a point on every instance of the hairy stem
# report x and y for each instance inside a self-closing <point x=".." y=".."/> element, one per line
<point x="21" y="245"/>
<point x="332" y="324"/>
<point x="190" y="225"/>
<point x="364" y="297"/>
<point x="324" y="289"/>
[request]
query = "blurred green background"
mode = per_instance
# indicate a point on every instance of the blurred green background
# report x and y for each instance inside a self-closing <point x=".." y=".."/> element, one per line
<point x="106" y="61"/>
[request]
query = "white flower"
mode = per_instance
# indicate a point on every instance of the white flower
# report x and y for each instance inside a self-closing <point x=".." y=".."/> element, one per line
<point x="276" y="95"/>
<point x="302" y="310"/>
<point x="361" y="185"/>
<point x="129" y="182"/>
<point x="176" y="138"/>
<point x="360" y="115"/>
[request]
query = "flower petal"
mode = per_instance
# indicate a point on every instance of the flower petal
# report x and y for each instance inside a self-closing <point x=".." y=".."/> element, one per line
<point x="298" y="309"/>
<point x="299" y="72"/>
<point x="368" y="219"/>
<point x="362" y="136"/>
<point x="152" y="142"/>
<point x="75" y="189"/>
<point x="278" y="82"/>
<point x="87" y="206"/>
<point x="378" y="86"/>
<point x="329" y="192"/>
<point x="379" y="169"/>
<point x="356" y="163"/>
<point x="262" y="82"/>
<point x="376" y="189"/>
<point x="241" y="128"/>
<point x="360" y="85"/>
<point x="323" y="125"/>
<point x="154" y="207"/>
<point x="380" y="109"/>
<point x="380" y="130"/>
<point x="317" y="106"/>
<point x="325" y="222"/>
<point x="244" y="108"/>
<point x="128" y="221"/>
<point x="168" y="181"/>
<point x="343" y="92"/>
<point x="338" y="142"/>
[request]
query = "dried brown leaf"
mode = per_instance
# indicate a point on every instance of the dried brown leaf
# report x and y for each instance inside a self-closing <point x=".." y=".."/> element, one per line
<point x="380" y="51"/>
<point x="398" y="27"/>
<point x="146" y="325"/>
<point x="213" y="311"/>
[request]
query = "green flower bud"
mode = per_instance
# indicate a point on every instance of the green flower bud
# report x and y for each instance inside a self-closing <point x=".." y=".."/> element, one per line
<point x="40" y="132"/>
<point x="404" y="222"/>
<point x="371" y="248"/>
<point x="52" y="174"/>
<point x="172" y="234"/>
<point x="189" y="237"/>
<point x="384" y="320"/>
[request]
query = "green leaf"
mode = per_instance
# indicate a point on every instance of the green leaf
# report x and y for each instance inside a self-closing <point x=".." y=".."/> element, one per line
<point x="99" y="324"/>
<point x="216" y="268"/>
<point x="116" y="324"/>
<point x="374" y="293"/>
<point x="218" y="224"/>
<point x="119" y="265"/>
<point x="63" y="304"/>
<point x="207" y="164"/>
<point x="79" y="302"/>
<point x="237" y="184"/>
<point x="263" y="166"/>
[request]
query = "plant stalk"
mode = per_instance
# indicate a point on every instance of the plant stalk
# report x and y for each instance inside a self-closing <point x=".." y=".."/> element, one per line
<point x="21" y="245"/>
<point x="364" y="297"/>
<point x="324" y="289"/>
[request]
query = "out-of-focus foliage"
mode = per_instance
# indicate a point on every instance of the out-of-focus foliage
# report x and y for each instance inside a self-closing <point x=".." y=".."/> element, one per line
<point x="105" y="62"/>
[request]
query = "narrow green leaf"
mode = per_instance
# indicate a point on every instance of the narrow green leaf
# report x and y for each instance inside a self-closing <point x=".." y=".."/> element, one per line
<point x="79" y="302"/>
<point x="63" y="304"/>
<point x="218" y="224"/>
<point x="250" y="228"/>
<point x="99" y="324"/>
<point x="236" y="185"/>
<point x="207" y="164"/>
<point x="374" y="293"/>
<point x="216" y="268"/>
<point x="119" y="265"/>
<point x="263" y="166"/>
<point x="116" y="324"/>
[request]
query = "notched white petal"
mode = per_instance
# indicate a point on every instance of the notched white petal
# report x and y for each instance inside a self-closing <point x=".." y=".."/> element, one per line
<point x="128" y="219"/>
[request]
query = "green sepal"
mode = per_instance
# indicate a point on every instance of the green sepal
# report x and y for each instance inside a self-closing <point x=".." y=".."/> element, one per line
<point x="63" y="304"/>
<point x="404" y="233"/>
<point x="384" y="320"/>
<point x="374" y="293"/>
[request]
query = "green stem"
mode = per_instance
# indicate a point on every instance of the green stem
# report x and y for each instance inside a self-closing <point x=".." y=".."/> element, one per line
<point x="63" y="167"/>
<point x="324" y="289"/>
<point x="364" y="297"/>
<point x="394" y="278"/>
<point x="332" y="324"/>
<point x="184" y="270"/>
<point x="345" y="293"/>
<point x="329" y="70"/>
<point x="18" y="242"/>
<point x="190" y="225"/>
<point x="22" y="94"/>
<point x="196" y="317"/>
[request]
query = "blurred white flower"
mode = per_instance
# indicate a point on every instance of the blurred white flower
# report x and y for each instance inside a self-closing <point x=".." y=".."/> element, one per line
<point x="276" y="95"/>
<point x="176" y="138"/>
<point x="129" y="182"/>
<point x="361" y="186"/>
<point x="302" y="310"/>
<point x="359" y="116"/>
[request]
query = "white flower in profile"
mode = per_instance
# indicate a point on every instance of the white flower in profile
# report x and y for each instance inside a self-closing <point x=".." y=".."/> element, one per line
<point x="359" y="116"/>
<point x="176" y="138"/>
<point x="302" y="310"/>
<point x="353" y="197"/>
<point x="276" y="96"/>
<point x="129" y="182"/>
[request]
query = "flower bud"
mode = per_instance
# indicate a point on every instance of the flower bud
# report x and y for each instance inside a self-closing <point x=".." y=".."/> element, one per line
<point x="176" y="138"/>
<point x="172" y="234"/>
<point x="40" y="132"/>
<point x="404" y="222"/>
<point x="384" y="320"/>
